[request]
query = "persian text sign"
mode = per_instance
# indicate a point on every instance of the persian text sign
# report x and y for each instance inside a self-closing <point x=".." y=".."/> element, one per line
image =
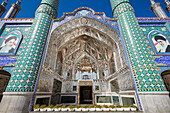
<point x="7" y="60"/>
<point x="162" y="60"/>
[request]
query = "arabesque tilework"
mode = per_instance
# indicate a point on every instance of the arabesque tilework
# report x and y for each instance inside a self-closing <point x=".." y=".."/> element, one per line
<point x="86" y="12"/>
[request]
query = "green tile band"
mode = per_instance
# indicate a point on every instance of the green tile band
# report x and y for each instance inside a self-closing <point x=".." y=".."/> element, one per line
<point x="28" y="62"/>
<point x="146" y="76"/>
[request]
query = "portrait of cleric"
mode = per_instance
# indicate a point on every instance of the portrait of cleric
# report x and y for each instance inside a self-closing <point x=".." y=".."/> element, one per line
<point x="161" y="42"/>
<point x="10" y="42"/>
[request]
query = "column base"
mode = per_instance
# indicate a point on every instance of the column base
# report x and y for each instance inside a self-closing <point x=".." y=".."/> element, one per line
<point x="15" y="102"/>
<point x="155" y="102"/>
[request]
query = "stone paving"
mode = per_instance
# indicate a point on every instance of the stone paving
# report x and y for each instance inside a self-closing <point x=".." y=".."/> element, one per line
<point x="88" y="112"/>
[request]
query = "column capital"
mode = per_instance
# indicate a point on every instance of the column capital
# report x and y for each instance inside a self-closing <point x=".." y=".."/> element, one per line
<point x="167" y="5"/>
<point x="49" y="7"/>
<point x="115" y="3"/>
<point x="52" y="3"/>
<point x="16" y="6"/>
<point x="157" y="9"/>
<point x="4" y="3"/>
<point x="2" y="7"/>
<point x="155" y="5"/>
<point x="120" y="6"/>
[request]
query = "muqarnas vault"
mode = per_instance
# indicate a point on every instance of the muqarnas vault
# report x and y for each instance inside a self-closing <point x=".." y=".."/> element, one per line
<point x="84" y="57"/>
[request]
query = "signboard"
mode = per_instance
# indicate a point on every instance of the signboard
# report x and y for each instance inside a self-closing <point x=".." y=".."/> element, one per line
<point x="7" y="60"/>
<point x="85" y="83"/>
<point x="162" y="60"/>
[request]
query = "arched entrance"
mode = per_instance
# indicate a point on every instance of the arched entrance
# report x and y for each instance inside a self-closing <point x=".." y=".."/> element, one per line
<point x="166" y="78"/>
<point x="4" y="79"/>
<point x="91" y="57"/>
<point x="85" y="56"/>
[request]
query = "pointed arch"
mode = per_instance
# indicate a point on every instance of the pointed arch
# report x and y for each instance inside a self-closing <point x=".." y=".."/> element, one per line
<point x="4" y="79"/>
<point x="166" y="78"/>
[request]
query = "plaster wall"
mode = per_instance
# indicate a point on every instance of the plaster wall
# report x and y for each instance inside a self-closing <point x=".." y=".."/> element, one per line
<point x="15" y="102"/>
<point x="155" y="103"/>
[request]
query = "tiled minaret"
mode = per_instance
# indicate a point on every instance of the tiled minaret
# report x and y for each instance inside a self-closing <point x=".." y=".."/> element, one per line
<point x="21" y="85"/>
<point x="157" y="9"/>
<point x="2" y="7"/>
<point x="148" y="83"/>
<point x="13" y="11"/>
<point x="167" y="5"/>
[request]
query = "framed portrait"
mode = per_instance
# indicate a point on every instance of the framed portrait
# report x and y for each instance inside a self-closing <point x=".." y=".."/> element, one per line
<point x="160" y="41"/>
<point x="10" y="43"/>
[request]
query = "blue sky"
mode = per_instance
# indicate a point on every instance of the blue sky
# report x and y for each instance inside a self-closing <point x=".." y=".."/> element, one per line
<point x="142" y="7"/>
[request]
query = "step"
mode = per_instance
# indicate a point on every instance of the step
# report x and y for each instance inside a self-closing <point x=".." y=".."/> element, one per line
<point x="86" y="112"/>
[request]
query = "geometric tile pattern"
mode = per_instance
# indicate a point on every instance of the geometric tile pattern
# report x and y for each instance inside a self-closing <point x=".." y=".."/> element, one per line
<point x="115" y="3"/>
<point x="53" y="3"/>
<point x="145" y="72"/>
<point x="43" y="8"/>
<point x="25" y="73"/>
<point x="121" y="9"/>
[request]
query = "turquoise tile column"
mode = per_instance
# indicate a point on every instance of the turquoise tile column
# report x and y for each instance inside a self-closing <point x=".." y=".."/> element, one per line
<point x="145" y="72"/>
<point x="24" y="76"/>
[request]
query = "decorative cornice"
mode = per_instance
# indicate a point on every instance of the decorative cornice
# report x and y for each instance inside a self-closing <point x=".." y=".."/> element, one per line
<point x="154" y="93"/>
<point x="83" y="8"/>
<point x="18" y="93"/>
<point x="17" y="19"/>
<point x="152" y="18"/>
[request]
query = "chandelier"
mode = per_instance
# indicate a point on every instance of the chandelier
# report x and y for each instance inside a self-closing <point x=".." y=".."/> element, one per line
<point x="85" y="65"/>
